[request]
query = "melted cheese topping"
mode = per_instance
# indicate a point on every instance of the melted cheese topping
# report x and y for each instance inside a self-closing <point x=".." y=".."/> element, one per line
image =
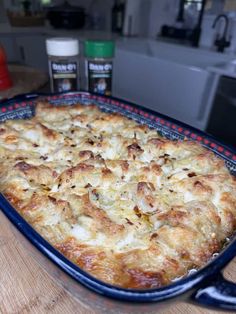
<point x="128" y="206"/>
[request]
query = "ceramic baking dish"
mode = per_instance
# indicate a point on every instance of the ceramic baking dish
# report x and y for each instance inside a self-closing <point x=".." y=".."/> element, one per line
<point x="206" y="286"/>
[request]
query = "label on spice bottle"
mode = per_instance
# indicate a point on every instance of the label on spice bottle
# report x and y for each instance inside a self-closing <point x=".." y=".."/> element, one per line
<point x="100" y="77"/>
<point x="64" y="76"/>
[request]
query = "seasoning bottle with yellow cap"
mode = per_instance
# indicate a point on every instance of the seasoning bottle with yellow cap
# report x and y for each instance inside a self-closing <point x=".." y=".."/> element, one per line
<point x="99" y="65"/>
<point x="63" y="63"/>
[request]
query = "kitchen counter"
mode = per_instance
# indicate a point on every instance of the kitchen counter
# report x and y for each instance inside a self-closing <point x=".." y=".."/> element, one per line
<point x="168" y="78"/>
<point x="25" y="80"/>
<point x="228" y="70"/>
<point x="175" y="80"/>
<point x="141" y="45"/>
<point x="27" y="288"/>
<point x="182" y="54"/>
<point x="8" y="30"/>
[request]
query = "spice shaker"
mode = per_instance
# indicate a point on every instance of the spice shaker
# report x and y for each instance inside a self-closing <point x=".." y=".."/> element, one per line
<point x="98" y="65"/>
<point x="63" y="62"/>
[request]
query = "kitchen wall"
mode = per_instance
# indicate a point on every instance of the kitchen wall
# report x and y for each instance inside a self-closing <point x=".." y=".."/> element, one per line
<point x="209" y="34"/>
<point x="97" y="9"/>
<point x="153" y="14"/>
<point x="3" y="17"/>
<point x="35" y="4"/>
<point x="165" y="12"/>
<point x="161" y="12"/>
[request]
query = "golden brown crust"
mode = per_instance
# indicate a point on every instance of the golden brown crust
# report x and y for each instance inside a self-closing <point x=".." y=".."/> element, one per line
<point x="128" y="206"/>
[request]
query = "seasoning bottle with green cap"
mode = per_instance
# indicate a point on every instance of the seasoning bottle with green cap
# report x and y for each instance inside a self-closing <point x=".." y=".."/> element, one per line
<point x="63" y="63"/>
<point x="98" y="65"/>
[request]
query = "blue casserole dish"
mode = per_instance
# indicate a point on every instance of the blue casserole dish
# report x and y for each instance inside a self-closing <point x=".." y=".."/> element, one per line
<point x="206" y="287"/>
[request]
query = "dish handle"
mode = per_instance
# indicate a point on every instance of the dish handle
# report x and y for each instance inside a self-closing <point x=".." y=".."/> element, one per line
<point x="217" y="292"/>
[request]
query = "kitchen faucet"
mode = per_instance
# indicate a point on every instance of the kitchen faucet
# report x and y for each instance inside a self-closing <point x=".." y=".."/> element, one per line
<point x="221" y="42"/>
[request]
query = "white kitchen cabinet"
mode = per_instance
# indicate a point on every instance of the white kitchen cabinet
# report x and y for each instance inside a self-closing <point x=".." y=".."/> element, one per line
<point x="26" y="49"/>
<point x="32" y="50"/>
<point x="170" y="79"/>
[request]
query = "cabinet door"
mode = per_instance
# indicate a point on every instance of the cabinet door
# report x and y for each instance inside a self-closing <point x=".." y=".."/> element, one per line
<point x="170" y="88"/>
<point x="32" y="51"/>
<point x="9" y="45"/>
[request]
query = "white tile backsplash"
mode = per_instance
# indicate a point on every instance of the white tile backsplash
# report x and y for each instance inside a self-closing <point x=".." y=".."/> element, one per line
<point x="162" y="12"/>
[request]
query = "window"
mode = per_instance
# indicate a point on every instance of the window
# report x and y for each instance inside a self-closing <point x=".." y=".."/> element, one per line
<point x="45" y="2"/>
<point x="197" y="3"/>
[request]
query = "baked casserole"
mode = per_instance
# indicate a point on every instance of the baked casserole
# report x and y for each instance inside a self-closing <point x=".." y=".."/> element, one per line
<point x="128" y="206"/>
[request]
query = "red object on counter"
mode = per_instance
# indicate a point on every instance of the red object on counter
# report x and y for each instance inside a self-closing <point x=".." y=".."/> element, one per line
<point x="5" y="80"/>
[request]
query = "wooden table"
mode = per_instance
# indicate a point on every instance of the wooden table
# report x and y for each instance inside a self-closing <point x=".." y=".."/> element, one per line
<point x="25" y="287"/>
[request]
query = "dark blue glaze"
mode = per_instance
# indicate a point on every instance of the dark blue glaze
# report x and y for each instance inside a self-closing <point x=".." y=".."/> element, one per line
<point x="206" y="286"/>
<point x="218" y="292"/>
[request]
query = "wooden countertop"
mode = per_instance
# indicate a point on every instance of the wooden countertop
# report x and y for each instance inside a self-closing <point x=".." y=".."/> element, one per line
<point x="25" y="287"/>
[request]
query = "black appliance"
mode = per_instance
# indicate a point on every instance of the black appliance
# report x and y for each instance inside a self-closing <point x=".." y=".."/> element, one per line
<point x="66" y="16"/>
<point x="222" y="119"/>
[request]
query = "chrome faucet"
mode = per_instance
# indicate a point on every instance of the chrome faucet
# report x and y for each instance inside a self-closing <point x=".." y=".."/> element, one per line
<point x="221" y="42"/>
